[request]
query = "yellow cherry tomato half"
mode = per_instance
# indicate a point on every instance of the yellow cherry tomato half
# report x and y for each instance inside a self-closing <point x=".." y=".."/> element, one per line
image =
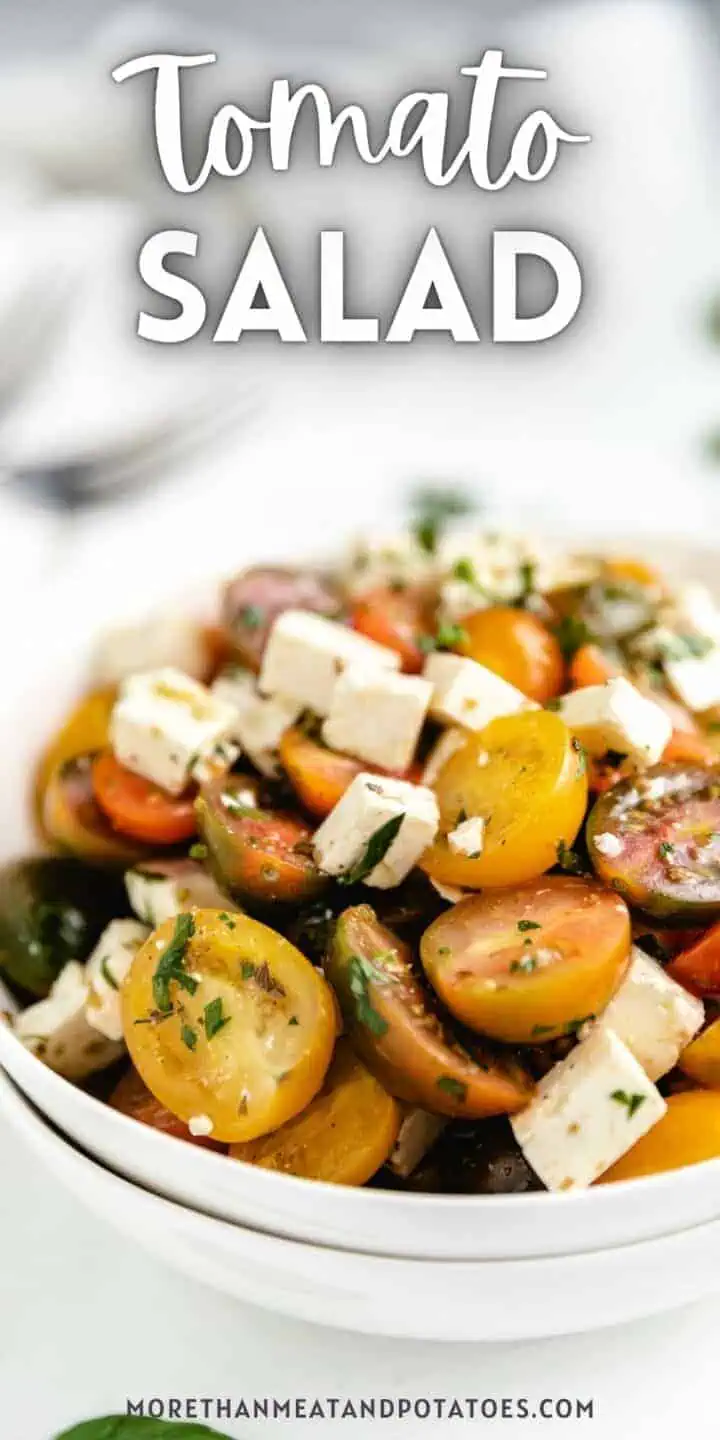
<point x="688" y="1133"/>
<point x="225" y="1020"/>
<point x="531" y="964"/>
<point x="346" y="1133"/>
<point x="516" y="645"/>
<point x="701" y="1058"/>
<point x="526" y="777"/>
<point x="86" y="728"/>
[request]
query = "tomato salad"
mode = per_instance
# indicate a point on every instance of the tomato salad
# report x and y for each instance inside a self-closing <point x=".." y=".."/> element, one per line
<point x="404" y="872"/>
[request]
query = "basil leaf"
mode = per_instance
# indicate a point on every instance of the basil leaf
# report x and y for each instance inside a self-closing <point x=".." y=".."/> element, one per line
<point x="139" y="1427"/>
<point x="375" y="851"/>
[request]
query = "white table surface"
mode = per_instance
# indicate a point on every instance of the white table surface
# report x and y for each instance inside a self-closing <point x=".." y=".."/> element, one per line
<point x="607" y="427"/>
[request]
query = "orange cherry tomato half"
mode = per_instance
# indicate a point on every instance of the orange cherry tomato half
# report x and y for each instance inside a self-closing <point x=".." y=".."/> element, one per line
<point x="528" y="965"/>
<point x="698" y="967"/>
<point x="319" y="776"/>
<point x="700" y="1059"/>
<point x="86" y="728"/>
<point x="591" y="666"/>
<point x="397" y="619"/>
<point x="688" y="1133"/>
<point x="132" y="1097"/>
<point x="526" y="777"/>
<point x="140" y="809"/>
<point x="516" y="645"/>
<point x="686" y="748"/>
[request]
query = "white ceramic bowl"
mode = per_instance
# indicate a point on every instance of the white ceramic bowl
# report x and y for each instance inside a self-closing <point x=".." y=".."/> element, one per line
<point x="370" y="1221"/>
<point x="441" y="1300"/>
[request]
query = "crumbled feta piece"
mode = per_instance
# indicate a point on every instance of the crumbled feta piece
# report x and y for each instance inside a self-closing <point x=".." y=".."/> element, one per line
<point x="500" y="567"/>
<point x="165" y="726"/>
<point x="368" y="804"/>
<point x="200" y="1125"/>
<point x="377" y="715"/>
<point x="58" y="1032"/>
<point x="609" y="845"/>
<point x="162" y="889"/>
<point x="468" y="837"/>
<point x="653" y="1015"/>
<point x="260" y="722"/>
<point x="105" y="972"/>
<point x="695" y="679"/>
<point x="692" y="608"/>
<point x="306" y="653"/>
<point x="468" y="694"/>
<point x="167" y="639"/>
<point x="588" y="1111"/>
<point x="418" y="1132"/>
<point x="451" y="893"/>
<point x="615" y="716"/>
<point x="449" y="742"/>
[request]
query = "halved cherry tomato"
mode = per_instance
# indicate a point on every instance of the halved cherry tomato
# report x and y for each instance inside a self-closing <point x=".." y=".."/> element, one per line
<point x="225" y="1019"/>
<point x="516" y="645"/>
<point x="688" y="1133"/>
<point x="73" y="820"/>
<point x="140" y="809"/>
<point x="260" y="855"/>
<point x="531" y="964"/>
<point x="526" y="776"/>
<point x="590" y="666"/>
<point x="665" y="827"/>
<point x="132" y="1097"/>
<point x="686" y="748"/>
<point x="253" y="600"/>
<point x="318" y="775"/>
<point x="391" y="1022"/>
<point x="700" y="1059"/>
<point x="86" y="728"/>
<point x="397" y="619"/>
<point x="343" y="1136"/>
<point x="698" y="967"/>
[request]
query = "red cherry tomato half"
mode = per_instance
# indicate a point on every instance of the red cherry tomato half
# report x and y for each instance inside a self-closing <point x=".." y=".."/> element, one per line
<point x="397" y="619"/>
<point x="138" y="808"/>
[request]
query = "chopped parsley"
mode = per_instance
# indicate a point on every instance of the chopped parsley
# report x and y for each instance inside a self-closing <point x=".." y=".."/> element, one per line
<point x="568" y="860"/>
<point x="252" y="617"/>
<point x="171" y="965"/>
<point x="189" y="1036"/>
<point x="213" y="1018"/>
<point x="107" y="974"/>
<point x="432" y="508"/>
<point x="247" y="969"/>
<point x="375" y="851"/>
<point x="227" y="920"/>
<point x="528" y="925"/>
<point x="631" y="1100"/>
<point x="464" y="569"/>
<point x="526" y="965"/>
<point x="443" y="950"/>
<point x="448" y="636"/>
<point x="539" y="1030"/>
<point x="293" y="1020"/>
<point x="665" y="849"/>
<point x="361" y="974"/>
<point x="198" y="852"/>
<point x="450" y="1086"/>
<point x="571" y="633"/>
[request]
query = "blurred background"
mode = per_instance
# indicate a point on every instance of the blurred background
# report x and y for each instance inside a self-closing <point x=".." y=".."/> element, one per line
<point x="126" y="470"/>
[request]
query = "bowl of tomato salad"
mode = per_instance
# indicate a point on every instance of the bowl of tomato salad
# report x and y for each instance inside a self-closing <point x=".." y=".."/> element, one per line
<point x="386" y="897"/>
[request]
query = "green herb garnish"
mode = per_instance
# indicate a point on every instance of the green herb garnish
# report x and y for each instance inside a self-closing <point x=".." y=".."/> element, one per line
<point x="247" y="969"/>
<point x="189" y="1036"/>
<point x="448" y="636"/>
<point x="568" y="860"/>
<point x="252" y="616"/>
<point x="171" y="965"/>
<point x="451" y="1086"/>
<point x="213" y="1018"/>
<point x="528" y="925"/>
<point x="375" y="851"/>
<point x="571" y="633"/>
<point x="432" y="508"/>
<point x="107" y="974"/>
<point x="198" y="852"/>
<point x="632" y="1101"/>
<point x="361" y="974"/>
<point x="665" y="849"/>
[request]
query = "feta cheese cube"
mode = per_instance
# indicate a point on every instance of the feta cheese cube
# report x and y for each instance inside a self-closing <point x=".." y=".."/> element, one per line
<point x="418" y="1132"/>
<point x="377" y="716"/>
<point x="615" y="716"/>
<point x="306" y="653"/>
<point x="468" y="837"/>
<point x="468" y="694"/>
<point x="58" y="1032"/>
<point x="449" y="742"/>
<point x="696" y="679"/>
<point x="159" y="641"/>
<point x="105" y="972"/>
<point x="162" y="889"/>
<point x="260" y="722"/>
<point x="368" y="804"/>
<point x="588" y="1111"/>
<point x="653" y="1015"/>
<point x="166" y="727"/>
